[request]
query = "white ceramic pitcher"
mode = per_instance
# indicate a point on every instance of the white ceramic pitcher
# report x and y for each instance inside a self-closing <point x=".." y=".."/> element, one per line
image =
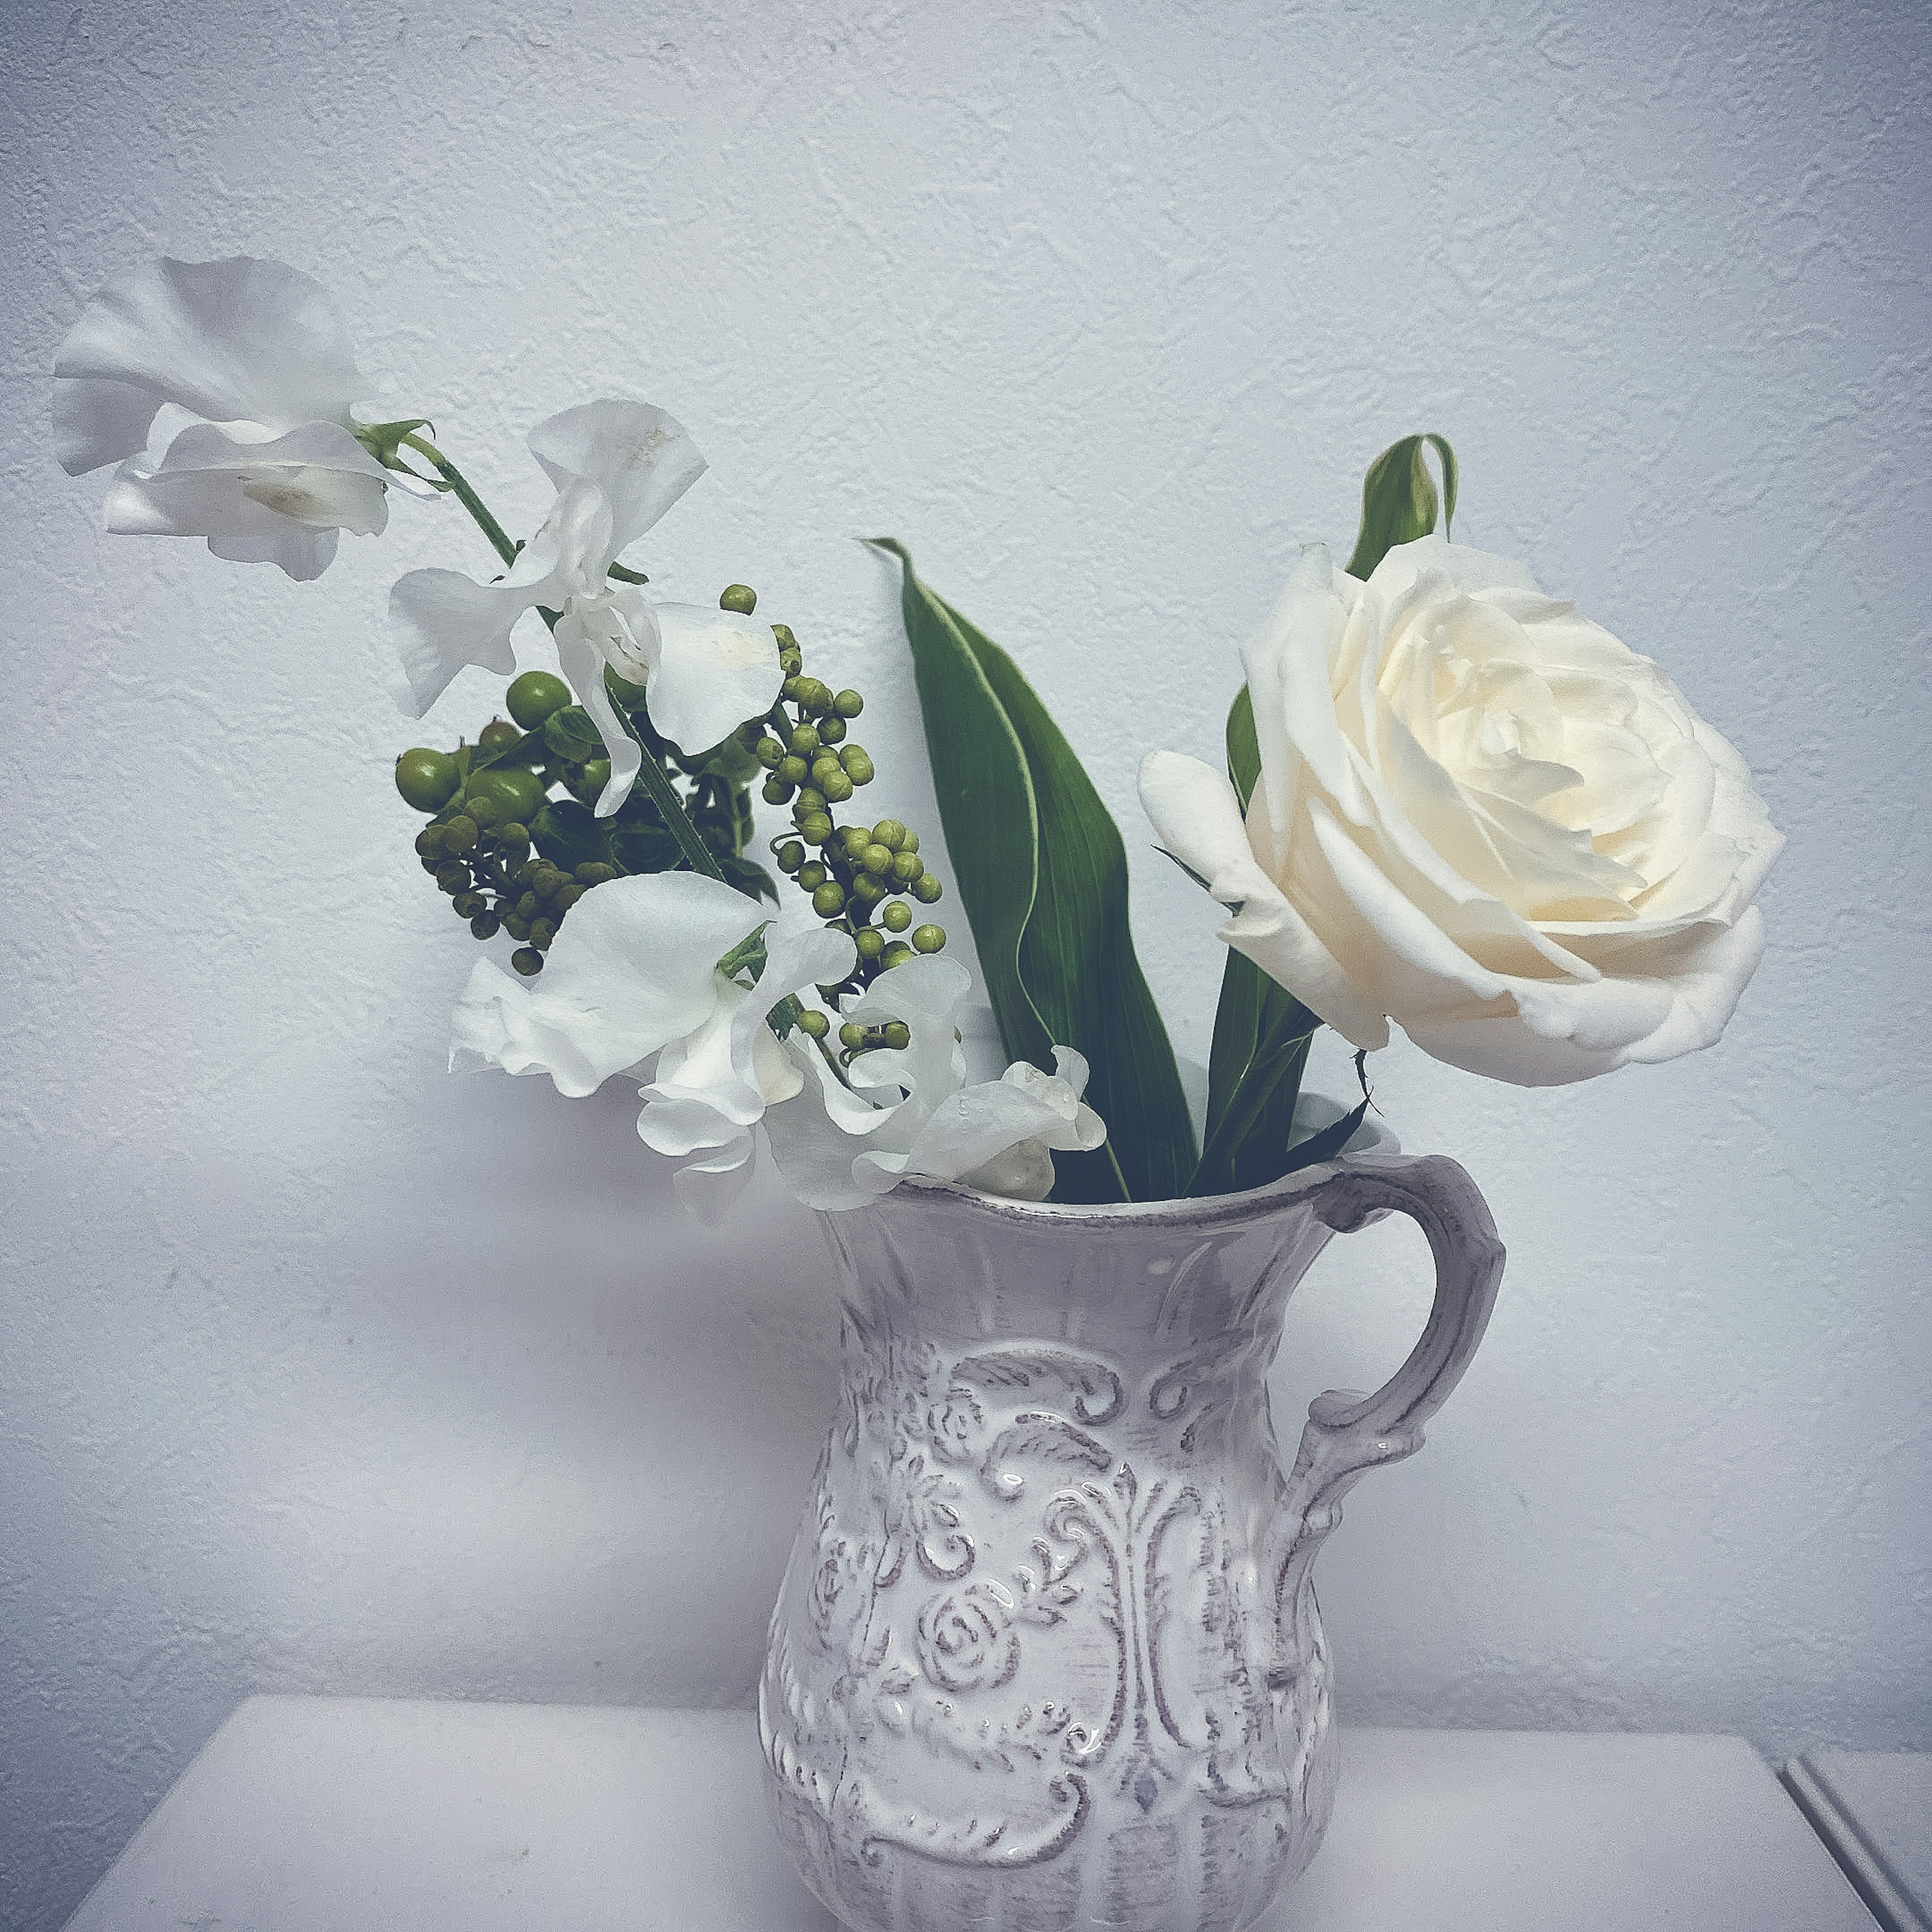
<point x="1047" y="1656"/>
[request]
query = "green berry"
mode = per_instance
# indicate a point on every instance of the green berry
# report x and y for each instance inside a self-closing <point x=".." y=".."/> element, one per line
<point x="907" y="866"/>
<point x="429" y="843"/>
<point x="467" y="905"/>
<point x="867" y="890"/>
<point x="739" y="597"/>
<point x="771" y="753"/>
<point x="896" y="954"/>
<point x="848" y="704"/>
<point x="870" y="941"/>
<point x="927" y="889"/>
<point x="518" y="928"/>
<point x="427" y="779"/>
<point x="596" y="774"/>
<point x="822" y="762"/>
<point x="898" y="1035"/>
<point x="791" y="856"/>
<point x="889" y="833"/>
<point x="513" y="842"/>
<point x="791" y="661"/>
<point x="534" y="696"/>
<point x="775" y="790"/>
<point x="838" y="787"/>
<point x="459" y="834"/>
<point x="527" y="906"/>
<point x="515" y="790"/>
<point x="542" y="931"/>
<point x="497" y="736"/>
<point x="809" y="800"/>
<point x="813" y="876"/>
<point x="814" y="828"/>
<point x="595" y="872"/>
<point x="792" y="769"/>
<point x="897" y="916"/>
<point x="626" y="695"/>
<point x="878" y="858"/>
<point x="805" y="740"/>
<point x="781" y="636"/>
<point x="484" y="925"/>
<point x="527" y="960"/>
<point x="813" y="1024"/>
<point x="452" y="878"/>
<point x="853" y="840"/>
<point x="831" y="730"/>
<point x="859" y="767"/>
<point x="929" y="938"/>
<point x="909" y="843"/>
<point x="829" y="901"/>
<point x="567" y="895"/>
<point x="814" y="696"/>
<point x="853" y="1035"/>
<point x="483" y="809"/>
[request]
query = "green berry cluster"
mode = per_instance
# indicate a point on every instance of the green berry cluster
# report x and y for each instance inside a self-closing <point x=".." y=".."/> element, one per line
<point x="477" y="846"/>
<point x="858" y="876"/>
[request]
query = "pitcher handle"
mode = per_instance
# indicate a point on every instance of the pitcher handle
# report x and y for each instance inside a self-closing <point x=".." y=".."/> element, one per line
<point x="1348" y="1432"/>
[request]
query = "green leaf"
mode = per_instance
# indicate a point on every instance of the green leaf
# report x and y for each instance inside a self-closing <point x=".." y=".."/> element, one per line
<point x="1398" y="499"/>
<point x="568" y="835"/>
<point x="747" y="876"/>
<point x="1245" y="1071"/>
<point x="748" y="955"/>
<point x="1244" y="749"/>
<point x="1043" y="875"/>
<point x="639" y="846"/>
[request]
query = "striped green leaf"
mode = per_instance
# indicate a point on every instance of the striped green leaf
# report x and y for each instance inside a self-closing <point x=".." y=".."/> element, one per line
<point x="1042" y="876"/>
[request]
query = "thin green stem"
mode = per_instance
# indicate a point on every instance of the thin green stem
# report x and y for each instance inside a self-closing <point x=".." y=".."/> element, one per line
<point x="459" y="488"/>
<point x="657" y="788"/>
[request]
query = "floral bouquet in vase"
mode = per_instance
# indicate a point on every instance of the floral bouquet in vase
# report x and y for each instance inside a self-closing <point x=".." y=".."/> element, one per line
<point x="1047" y="1654"/>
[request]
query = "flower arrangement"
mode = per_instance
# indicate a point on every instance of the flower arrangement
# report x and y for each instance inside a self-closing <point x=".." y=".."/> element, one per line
<point x="1449" y="801"/>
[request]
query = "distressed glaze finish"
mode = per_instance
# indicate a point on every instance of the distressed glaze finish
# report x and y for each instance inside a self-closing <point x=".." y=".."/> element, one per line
<point x="1047" y="1656"/>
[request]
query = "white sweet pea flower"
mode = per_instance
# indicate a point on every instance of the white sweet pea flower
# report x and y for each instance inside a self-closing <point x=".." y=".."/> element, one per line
<point x="223" y="389"/>
<point x="618" y="467"/>
<point x="633" y="968"/>
<point x="714" y="1085"/>
<point x="1481" y="816"/>
<point x="667" y="964"/>
<point x="911" y="1112"/>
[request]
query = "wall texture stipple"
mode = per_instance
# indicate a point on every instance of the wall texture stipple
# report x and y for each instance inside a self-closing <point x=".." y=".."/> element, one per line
<point x="321" y="1370"/>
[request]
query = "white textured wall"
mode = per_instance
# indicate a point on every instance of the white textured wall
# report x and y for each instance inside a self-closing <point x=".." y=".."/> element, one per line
<point x="319" y="1370"/>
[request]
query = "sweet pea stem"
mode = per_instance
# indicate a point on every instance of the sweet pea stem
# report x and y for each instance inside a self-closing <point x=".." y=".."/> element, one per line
<point x="459" y="488"/>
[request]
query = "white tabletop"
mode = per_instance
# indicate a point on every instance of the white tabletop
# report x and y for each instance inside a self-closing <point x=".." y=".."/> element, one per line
<point x="1874" y="1809"/>
<point x="347" y="1815"/>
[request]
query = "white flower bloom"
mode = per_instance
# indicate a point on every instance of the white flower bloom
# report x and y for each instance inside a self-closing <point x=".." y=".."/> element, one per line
<point x="714" y="1085"/>
<point x="634" y="973"/>
<point x="223" y="390"/>
<point x="911" y="1111"/>
<point x="633" y="968"/>
<point x="618" y="466"/>
<point x="1481" y="815"/>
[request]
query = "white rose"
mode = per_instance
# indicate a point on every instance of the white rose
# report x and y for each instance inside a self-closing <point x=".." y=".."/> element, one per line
<point x="1481" y="816"/>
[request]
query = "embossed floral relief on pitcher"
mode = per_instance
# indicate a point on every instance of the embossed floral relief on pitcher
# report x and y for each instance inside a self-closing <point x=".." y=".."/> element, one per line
<point x="1047" y="1655"/>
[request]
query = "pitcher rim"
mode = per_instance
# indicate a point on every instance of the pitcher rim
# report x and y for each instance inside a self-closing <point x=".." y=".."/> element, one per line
<point x="1198" y="1210"/>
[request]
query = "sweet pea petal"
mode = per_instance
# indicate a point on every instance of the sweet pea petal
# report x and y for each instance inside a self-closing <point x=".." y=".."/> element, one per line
<point x="239" y="339"/>
<point x="708" y="671"/>
<point x="640" y="459"/>
<point x="442" y="621"/>
<point x="582" y="653"/>
<point x="251" y="487"/>
<point x="633" y="970"/>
